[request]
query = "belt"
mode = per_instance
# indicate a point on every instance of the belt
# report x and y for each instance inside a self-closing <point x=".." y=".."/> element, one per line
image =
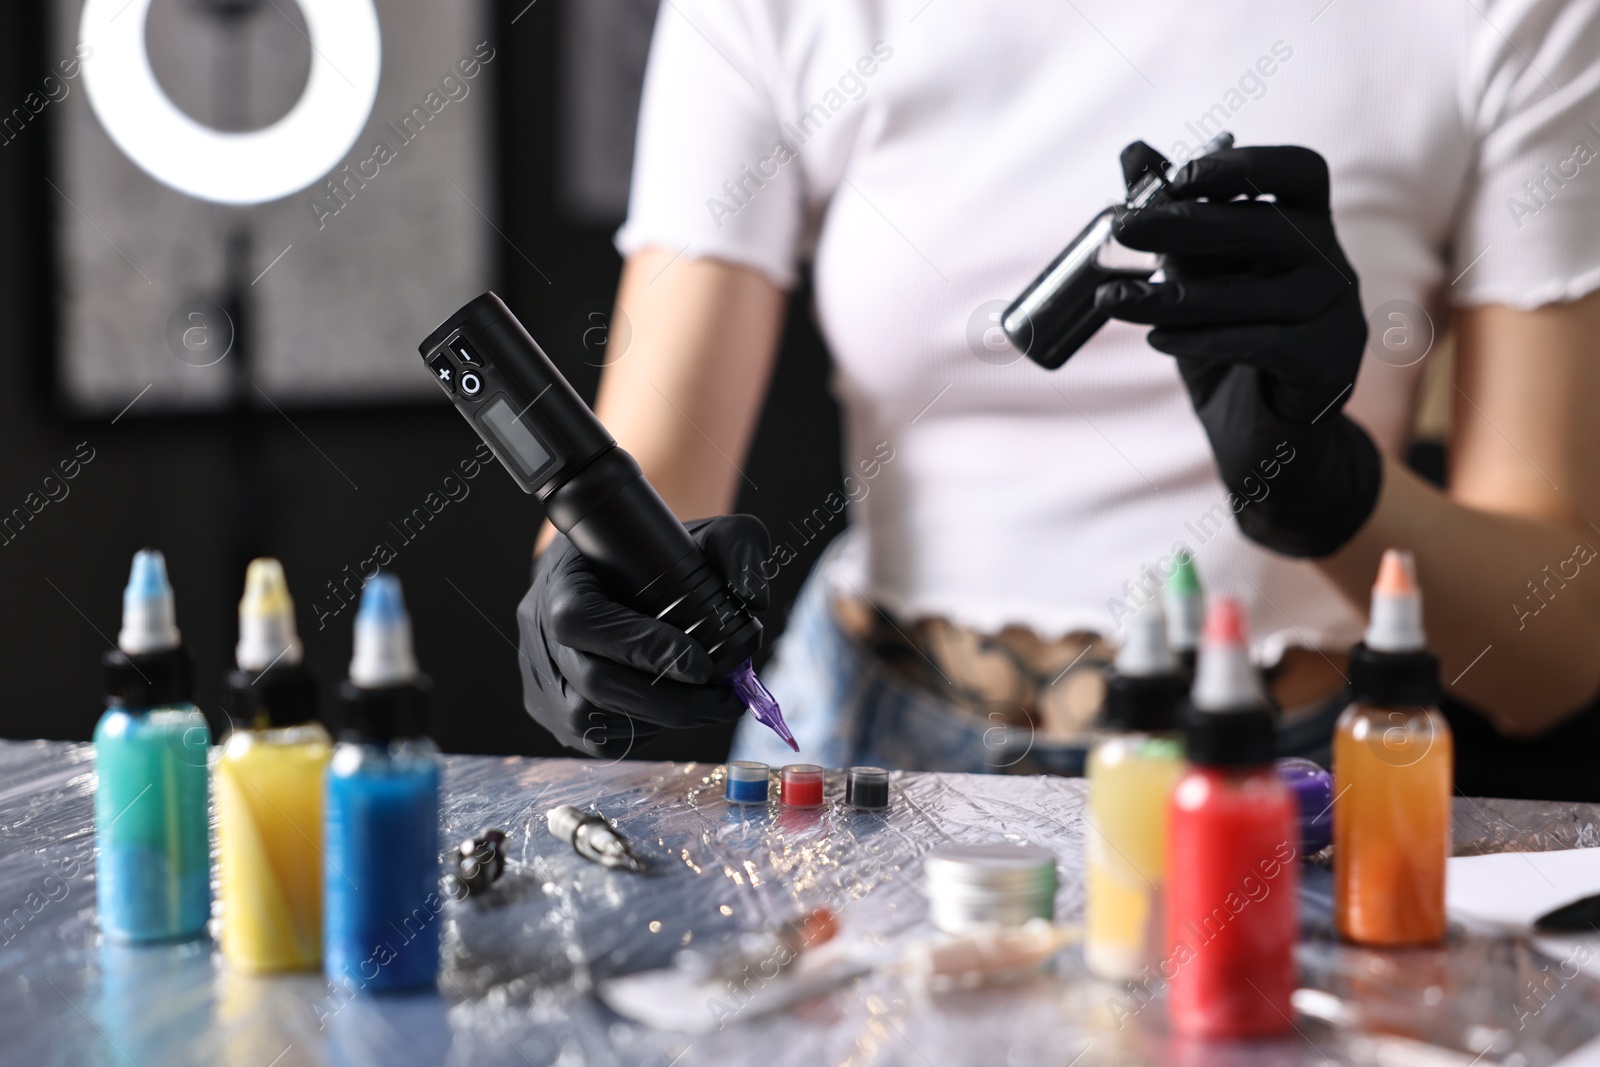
<point x="1053" y="685"/>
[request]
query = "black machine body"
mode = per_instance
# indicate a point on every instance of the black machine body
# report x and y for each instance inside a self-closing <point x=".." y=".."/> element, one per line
<point x="546" y="437"/>
<point x="1055" y="315"/>
<point x="496" y="375"/>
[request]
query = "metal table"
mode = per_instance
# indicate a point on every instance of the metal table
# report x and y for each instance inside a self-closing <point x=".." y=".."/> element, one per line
<point x="522" y="960"/>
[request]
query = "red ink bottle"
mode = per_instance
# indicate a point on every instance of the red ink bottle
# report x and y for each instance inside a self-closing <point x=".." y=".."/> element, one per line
<point x="1233" y="840"/>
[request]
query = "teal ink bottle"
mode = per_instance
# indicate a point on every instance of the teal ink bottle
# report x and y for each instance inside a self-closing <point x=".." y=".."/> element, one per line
<point x="382" y="905"/>
<point x="153" y="871"/>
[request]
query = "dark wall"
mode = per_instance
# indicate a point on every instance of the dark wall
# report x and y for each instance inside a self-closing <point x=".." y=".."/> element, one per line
<point x="319" y="491"/>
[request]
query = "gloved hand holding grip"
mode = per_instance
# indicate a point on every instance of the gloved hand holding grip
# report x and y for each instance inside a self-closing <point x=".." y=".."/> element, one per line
<point x="603" y="677"/>
<point x="543" y="433"/>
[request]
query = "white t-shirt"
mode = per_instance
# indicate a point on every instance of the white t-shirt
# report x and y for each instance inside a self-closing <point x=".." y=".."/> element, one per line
<point x="931" y="156"/>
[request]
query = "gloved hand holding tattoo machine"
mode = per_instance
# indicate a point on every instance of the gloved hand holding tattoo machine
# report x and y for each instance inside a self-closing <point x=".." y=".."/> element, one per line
<point x="1262" y="310"/>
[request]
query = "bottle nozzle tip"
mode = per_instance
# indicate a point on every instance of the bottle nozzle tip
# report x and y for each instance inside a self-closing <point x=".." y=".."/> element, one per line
<point x="1183" y="581"/>
<point x="148" y="577"/>
<point x="265" y="587"/>
<point x="147" y="607"/>
<point x="1224" y="622"/>
<point x="266" y="618"/>
<point x="1225" y="679"/>
<point x="1397" y="573"/>
<point x="381" y="599"/>
<point x="383" y="653"/>
<point x="1395" y="622"/>
<point x="1145" y="651"/>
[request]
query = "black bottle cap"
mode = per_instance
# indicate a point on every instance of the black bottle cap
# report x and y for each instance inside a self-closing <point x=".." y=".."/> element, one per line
<point x="149" y="679"/>
<point x="1237" y="737"/>
<point x="390" y="713"/>
<point x="1187" y="658"/>
<point x="284" y="695"/>
<point x="1148" y="703"/>
<point x="1394" y="679"/>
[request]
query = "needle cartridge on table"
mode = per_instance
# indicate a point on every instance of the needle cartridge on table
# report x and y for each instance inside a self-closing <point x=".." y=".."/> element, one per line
<point x="593" y="838"/>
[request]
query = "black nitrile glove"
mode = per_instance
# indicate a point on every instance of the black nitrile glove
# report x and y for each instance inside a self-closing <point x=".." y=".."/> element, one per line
<point x="601" y="676"/>
<point x="1262" y="309"/>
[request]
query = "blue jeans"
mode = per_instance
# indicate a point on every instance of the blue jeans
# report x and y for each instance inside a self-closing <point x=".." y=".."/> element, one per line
<point x="846" y="707"/>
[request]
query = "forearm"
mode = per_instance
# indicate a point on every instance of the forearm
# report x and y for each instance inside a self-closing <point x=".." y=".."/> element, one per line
<point x="685" y="397"/>
<point x="684" y="394"/>
<point x="1513" y="606"/>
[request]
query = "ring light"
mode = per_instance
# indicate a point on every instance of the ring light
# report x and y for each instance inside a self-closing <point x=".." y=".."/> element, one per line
<point x="234" y="168"/>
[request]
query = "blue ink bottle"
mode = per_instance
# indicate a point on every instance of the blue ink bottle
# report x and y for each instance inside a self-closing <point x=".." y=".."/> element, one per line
<point x="153" y="872"/>
<point x="381" y="905"/>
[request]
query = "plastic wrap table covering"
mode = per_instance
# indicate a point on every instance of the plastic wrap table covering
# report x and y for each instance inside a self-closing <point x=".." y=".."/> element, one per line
<point x="521" y="960"/>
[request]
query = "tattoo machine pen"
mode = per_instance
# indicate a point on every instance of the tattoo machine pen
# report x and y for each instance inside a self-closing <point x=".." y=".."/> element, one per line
<point x="1055" y="315"/>
<point x="543" y="433"/>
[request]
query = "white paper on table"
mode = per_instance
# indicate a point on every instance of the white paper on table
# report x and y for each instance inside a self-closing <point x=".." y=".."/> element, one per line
<point x="1508" y="890"/>
<point x="671" y="999"/>
<point x="1583" y="1056"/>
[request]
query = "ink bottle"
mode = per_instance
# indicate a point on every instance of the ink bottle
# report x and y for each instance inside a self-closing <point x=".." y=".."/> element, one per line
<point x="1233" y="838"/>
<point x="153" y="871"/>
<point x="269" y="789"/>
<point x="1393" y="766"/>
<point x="1131" y="774"/>
<point x="382" y="905"/>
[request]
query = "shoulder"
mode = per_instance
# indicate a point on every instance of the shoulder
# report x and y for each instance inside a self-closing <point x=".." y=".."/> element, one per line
<point x="1529" y="55"/>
